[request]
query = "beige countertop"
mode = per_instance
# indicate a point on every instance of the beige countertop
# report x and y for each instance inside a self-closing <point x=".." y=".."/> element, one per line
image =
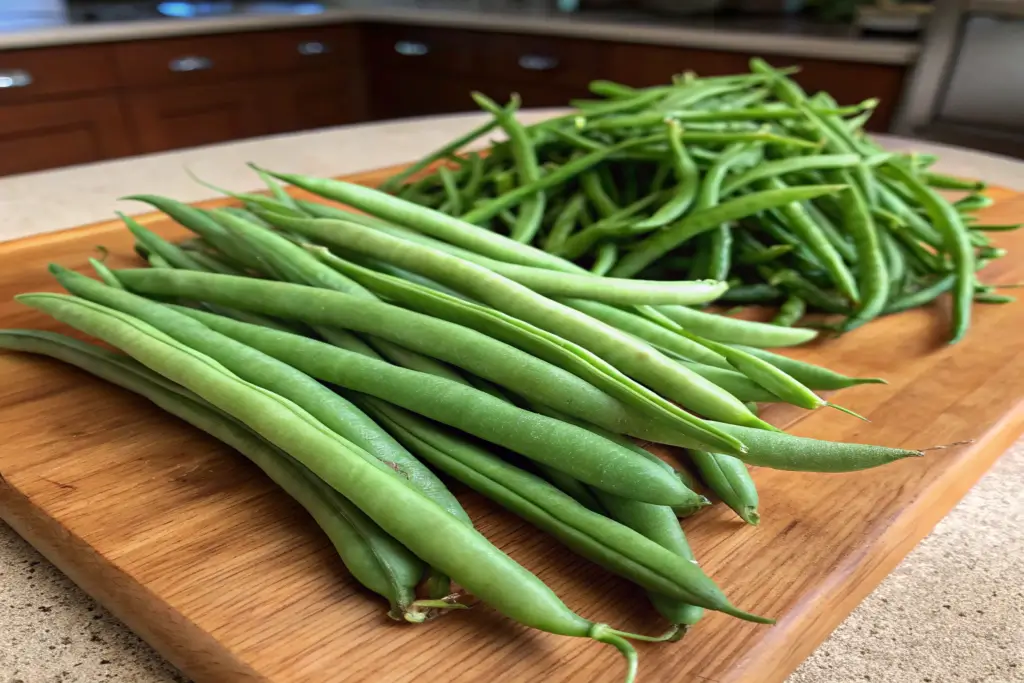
<point x="952" y="612"/>
<point x="761" y="36"/>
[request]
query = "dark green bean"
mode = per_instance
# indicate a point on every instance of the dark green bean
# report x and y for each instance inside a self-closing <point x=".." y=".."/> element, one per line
<point x="947" y="221"/>
<point x="671" y="237"/>
<point x="791" y="311"/>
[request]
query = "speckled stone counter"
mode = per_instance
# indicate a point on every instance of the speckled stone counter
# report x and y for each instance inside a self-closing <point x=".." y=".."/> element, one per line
<point x="952" y="612"/>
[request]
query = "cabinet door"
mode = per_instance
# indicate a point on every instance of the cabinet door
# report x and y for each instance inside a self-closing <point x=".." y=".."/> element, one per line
<point x="56" y="71"/>
<point x="395" y="93"/>
<point x="315" y="99"/>
<point x="42" y="135"/>
<point x="187" y="116"/>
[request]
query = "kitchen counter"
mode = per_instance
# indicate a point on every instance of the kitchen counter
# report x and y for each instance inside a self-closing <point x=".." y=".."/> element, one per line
<point x="952" y="611"/>
<point x="793" y="37"/>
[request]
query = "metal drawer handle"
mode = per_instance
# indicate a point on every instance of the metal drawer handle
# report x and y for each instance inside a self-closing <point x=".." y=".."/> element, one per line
<point x="313" y="47"/>
<point x="411" y="48"/>
<point x="15" y="78"/>
<point x="190" y="63"/>
<point x="538" y="62"/>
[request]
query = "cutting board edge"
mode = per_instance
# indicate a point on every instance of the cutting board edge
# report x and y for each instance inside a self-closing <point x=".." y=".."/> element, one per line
<point x="853" y="580"/>
<point x="177" y="638"/>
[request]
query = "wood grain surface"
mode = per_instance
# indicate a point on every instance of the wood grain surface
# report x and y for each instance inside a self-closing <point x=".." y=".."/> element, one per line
<point x="197" y="552"/>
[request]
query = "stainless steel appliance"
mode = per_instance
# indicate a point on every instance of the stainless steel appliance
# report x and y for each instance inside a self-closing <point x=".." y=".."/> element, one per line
<point x="968" y="86"/>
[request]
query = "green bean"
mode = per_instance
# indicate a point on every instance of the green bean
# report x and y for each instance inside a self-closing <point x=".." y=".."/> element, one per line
<point x="592" y="187"/>
<point x="177" y="257"/>
<point x="329" y="408"/>
<point x="375" y="559"/>
<point x="814" y="376"/>
<point x="559" y="284"/>
<point x="782" y="451"/>
<point x="565" y="223"/>
<point x="832" y="233"/>
<point x="478" y="566"/>
<point x="895" y="262"/>
<point x="973" y="202"/>
<point x="535" y="340"/>
<point x="607" y="255"/>
<point x="612" y="226"/>
<point x="922" y="296"/>
<point x="616" y="90"/>
<point x="477" y="353"/>
<point x="671" y="237"/>
<point x="947" y="221"/>
<point x="157" y="261"/>
<point x="531" y="211"/>
<point x="451" y="190"/>
<point x="201" y="223"/>
<point x="633" y="357"/>
<point x="795" y="283"/>
<point x="731" y="330"/>
<point x="736" y="383"/>
<point x="781" y="167"/>
<point x="392" y="183"/>
<point x="791" y="311"/>
<point x="655" y="564"/>
<point x="996" y="228"/>
<point x="687" y="180"/>
<point x="654" y="334"/>
<point x="915" y="223"/>
<point x="756" y="293"/>
<point x="720" y="256"/>
<point x="801" y="224"/>
<point x="440" y="226"/>
<point x="105" y="274"/>
<point x="730" y="480"/>
<point x="659" y="524"/>
<point x="764" y="255"/>
<point x="212" y="264"/>
<point x="945" y="182"/>
<point x="872" y="273"/>
<point x="993" y="298"/>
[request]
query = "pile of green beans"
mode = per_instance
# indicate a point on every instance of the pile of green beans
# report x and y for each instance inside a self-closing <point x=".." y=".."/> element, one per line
<point x="453" y="327"/>
<point x="742" y="179"/>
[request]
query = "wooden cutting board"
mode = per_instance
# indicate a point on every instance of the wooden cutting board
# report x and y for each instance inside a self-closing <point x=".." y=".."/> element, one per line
<point x="192" y="547"/>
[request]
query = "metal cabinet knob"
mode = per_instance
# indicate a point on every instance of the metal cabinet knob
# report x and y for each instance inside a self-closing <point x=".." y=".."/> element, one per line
<point x="538" y="62"/>
<point x="190" y="63"/>
<point x="15" y="78"/>
<point x="313" y="47"/>
<point x="411" y="48"/>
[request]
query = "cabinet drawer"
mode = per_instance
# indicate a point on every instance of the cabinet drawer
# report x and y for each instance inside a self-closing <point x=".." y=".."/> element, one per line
<point x="312" y="48"/>
<point x="192" y="115"/>
<point x="420" y="48"/>
<point x="39" y="135"/>
<point x="544" y="61"/>
<point x="203" y="59"/>
<point x="28" y="74"/>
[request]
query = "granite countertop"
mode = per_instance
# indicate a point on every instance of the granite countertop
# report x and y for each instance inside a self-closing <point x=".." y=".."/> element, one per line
<point x="953" y="611"/>
<point x="790" y="36"/>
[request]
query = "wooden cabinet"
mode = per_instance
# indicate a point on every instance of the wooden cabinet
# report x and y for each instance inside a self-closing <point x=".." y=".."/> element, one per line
<point x="71" y="104"/>
<point x="314" y="100"/>
<point x="191" y="115"/>
<point x="422" y="71"/>
<point x="46" y="73"/>
<point x="848" y="82"/>
<point x="40" y="135"/>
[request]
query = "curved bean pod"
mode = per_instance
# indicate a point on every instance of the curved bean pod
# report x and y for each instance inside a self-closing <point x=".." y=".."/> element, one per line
<point x="451" y="545"/>
<point x="376" y="560"/>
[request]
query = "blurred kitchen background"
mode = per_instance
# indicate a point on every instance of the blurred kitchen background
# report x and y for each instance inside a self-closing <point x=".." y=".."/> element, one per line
<point x="85" y="80"/>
